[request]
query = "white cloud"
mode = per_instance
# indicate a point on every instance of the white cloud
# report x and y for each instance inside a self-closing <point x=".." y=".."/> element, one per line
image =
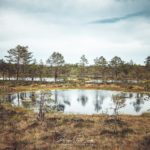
<point x="63" y="26"/>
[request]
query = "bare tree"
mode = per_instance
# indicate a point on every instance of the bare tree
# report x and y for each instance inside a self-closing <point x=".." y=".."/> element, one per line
<point x="45" y="97"/>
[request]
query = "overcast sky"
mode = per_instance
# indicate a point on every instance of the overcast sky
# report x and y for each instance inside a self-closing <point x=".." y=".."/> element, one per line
<point x="75" y="27"/>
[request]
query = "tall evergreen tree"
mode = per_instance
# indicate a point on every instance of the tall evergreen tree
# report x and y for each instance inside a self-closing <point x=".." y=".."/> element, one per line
<point x="3" y="68"/>
<point x="19" y="56"/>
<point x="115" y="65"/>
<point x="83" y="61"/>
<point x="147" y="62"/>
<point x="56" y="60"/>
<point x="101" y="64"/>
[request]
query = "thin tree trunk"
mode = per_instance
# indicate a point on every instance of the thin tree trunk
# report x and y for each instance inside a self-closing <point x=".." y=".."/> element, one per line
<point x="17" y="73"/>
<point x="3" y="76"/>
<point x="55" y="75"/>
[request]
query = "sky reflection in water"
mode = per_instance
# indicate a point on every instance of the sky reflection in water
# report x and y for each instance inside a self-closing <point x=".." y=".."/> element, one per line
<point x="82" y="101"/>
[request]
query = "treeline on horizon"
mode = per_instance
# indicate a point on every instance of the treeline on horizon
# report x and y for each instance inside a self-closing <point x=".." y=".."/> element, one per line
<point x="19" y="63"/>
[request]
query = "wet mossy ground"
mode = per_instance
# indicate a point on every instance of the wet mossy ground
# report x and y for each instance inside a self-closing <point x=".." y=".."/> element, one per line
<point x="10" y="87"/>
<point x="21" y="130"/>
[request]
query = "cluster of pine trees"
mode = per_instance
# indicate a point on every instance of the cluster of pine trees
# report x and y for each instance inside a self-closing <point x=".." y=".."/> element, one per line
<point x="19" y="64"/>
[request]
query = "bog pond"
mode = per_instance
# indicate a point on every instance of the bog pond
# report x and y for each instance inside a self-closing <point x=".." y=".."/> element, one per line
<point x="81" y="101"/>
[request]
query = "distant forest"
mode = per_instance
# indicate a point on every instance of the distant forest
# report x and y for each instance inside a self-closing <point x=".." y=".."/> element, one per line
<point x="20" y="64"/>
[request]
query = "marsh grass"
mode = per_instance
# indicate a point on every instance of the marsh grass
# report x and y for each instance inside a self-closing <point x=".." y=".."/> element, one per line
<point x="19" y="129"/>
<point x="13" y="86"/>
<point x="146" y="114"/>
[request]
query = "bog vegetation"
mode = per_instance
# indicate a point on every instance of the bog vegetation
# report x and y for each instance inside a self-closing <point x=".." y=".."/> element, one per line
<point x="20" y="64"/>
<point x="23" y="129"/>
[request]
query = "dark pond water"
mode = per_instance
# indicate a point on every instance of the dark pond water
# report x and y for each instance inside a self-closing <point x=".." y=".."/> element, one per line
<point x="82" y="101"/>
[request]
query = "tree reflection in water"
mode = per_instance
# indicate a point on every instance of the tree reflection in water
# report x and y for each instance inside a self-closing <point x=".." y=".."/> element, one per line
<point x="139" y="102"/>
<point x="63" y="100"/>
<point x="33" y="96"/>
<point x="56" y="96"/>
<point x="28" y="100"/>
<point x="23" y="95"/>
<point x="66" y="99"/>
<point x="10" y="98"/>
<point x="130" y="95"/>
<point x="45" y="98"/>
<point x="99" y="98"/>
<point x="119" y="102"/>
<point x="58" y="105"/>
<point x="7" y="98"/>
<point x="83" y="99"/>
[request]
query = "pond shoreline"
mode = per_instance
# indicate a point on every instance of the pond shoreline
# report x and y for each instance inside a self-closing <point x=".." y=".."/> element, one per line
<point x="6" y="87"/>
<point x="83" y="99"/>
<point x="21" y="129"/>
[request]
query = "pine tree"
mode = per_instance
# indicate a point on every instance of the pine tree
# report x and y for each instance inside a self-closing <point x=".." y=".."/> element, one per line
<point x="20" y="57"/>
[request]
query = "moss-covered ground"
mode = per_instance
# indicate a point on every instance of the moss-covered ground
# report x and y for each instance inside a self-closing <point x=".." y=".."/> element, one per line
<point x="21" y="130"/>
